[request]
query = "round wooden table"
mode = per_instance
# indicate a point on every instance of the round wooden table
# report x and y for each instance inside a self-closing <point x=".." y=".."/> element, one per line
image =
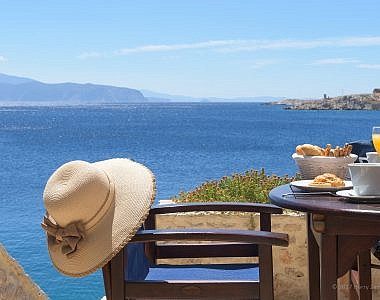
<point x="339" y="234"/>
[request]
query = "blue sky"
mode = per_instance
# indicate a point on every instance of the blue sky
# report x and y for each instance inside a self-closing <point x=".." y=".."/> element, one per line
<point x="200" y="48"/>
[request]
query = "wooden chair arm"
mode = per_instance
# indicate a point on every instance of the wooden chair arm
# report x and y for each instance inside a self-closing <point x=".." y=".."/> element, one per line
<point x="216" y="235"/>
<point x="215" y="206"/>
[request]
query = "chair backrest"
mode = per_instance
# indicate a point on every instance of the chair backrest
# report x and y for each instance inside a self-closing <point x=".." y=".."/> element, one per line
<point x="360" y="148"/>
<point x="116" y="271"/>
<point x="204" y="250"/>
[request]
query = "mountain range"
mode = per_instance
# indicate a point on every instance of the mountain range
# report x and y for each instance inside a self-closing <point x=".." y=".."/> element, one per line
<point x="161" y="97"/>
<point x="21" y="90"/>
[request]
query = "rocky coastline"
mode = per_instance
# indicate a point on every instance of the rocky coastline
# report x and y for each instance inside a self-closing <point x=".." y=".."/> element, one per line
<point x="347" y="102"/>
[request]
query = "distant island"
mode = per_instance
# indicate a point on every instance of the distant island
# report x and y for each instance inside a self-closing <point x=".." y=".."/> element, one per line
<point x="347" y="102"/>
<point x="161" y="97"/>
<point x="15" y="90"/>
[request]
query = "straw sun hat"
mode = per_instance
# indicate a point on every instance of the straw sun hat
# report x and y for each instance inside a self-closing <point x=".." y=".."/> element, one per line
<point x="93" y="210"/>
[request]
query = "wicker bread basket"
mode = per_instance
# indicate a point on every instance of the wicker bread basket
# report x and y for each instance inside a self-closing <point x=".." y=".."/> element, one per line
<point x="312" y="166"/>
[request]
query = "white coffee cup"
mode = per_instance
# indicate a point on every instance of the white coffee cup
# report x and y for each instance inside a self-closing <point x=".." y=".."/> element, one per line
<point x="365" y="178"/>
<point x="372" y="157"/>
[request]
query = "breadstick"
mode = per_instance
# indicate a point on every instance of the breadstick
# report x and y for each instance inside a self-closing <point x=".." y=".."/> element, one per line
<point x="341" y="152"/>
<point x="345" y="149"/>
<point x="327" y="150"/>
<point x="336" y="151"/>
<point x="349" y="150"/>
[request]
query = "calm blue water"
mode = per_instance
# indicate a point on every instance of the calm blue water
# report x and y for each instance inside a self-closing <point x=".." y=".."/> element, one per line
<point x="184" y="145"/>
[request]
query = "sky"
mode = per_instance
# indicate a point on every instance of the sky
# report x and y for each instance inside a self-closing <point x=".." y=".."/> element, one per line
<point x="199" y="48"/>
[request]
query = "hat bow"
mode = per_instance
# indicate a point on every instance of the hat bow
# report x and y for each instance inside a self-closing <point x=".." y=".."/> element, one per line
<point x="66" y="238"/>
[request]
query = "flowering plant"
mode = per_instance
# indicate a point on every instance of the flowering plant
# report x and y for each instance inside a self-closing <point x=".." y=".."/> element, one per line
<point x="251" y="186"/>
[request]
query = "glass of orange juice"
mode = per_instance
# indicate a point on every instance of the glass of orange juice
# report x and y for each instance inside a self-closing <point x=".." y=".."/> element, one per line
<point x="376" y="138"/>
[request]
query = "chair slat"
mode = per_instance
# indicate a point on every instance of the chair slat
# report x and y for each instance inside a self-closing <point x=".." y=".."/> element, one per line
<point x="216" y="206"/>
<point x="207" y="250"/>
<point x="117" y="276"/>
<point x="266" y="261"/>
<point x="364" y="271"/>
<point x="193" y="289"/>
<point x="107" y="279"/>
<point x="150" y="248"/>
<point x="218" y="235"/>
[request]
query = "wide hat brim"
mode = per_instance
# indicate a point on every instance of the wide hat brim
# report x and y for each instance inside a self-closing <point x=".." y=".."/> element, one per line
<point x="135" y="190"/>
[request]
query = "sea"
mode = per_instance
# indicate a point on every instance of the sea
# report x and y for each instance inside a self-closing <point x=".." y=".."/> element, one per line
<point x="184" y="144"/>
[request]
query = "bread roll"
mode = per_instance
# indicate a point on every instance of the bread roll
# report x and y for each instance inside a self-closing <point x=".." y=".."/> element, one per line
<point x="309" y="150"/>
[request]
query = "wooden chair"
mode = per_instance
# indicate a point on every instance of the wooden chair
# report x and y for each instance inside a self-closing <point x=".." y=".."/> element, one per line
<point x="229" y="243"/>
<point x="360" y="277"/>
<point x="360" y="273"/>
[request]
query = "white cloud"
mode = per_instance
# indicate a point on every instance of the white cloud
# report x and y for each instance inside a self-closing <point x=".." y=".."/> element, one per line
<point x="92" y="54"/>
<point x="257" y="64"/>
<point x="335" y="61"/>
<point x="3" y="59"/>
<point x="254" y="45"/>
<point x="238" y="45"/>
<point x="369" y="66"/>
<point x="174" y="47"/>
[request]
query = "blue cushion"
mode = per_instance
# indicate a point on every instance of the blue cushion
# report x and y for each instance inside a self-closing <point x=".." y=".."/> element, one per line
<point x="204" y="272"/>
<point x="137" y="262"/>
<point x="138" y="268"/>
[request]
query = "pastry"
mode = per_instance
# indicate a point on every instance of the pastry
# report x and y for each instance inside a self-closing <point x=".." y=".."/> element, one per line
<point x="327" y="180"/>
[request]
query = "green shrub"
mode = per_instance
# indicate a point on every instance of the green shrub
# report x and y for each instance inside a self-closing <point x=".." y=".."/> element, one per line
<point x="252" y="186"/>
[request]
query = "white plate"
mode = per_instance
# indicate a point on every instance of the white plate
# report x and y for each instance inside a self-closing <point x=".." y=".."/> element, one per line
<point x="304" y="185"/>
<point x="350" y="194"/>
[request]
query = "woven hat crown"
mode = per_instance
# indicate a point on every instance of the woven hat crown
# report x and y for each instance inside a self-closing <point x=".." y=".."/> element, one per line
<point x="76" y="192"/>
<point x="93" y="210"/>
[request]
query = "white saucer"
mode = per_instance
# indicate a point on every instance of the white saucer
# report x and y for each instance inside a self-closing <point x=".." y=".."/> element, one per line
<point x="350" y="194"/>
<point x="304" y="186"/>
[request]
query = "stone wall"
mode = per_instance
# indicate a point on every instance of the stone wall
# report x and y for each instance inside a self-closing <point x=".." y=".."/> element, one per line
<point x="290" y="264"/>
<point x="14" y="283"/>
